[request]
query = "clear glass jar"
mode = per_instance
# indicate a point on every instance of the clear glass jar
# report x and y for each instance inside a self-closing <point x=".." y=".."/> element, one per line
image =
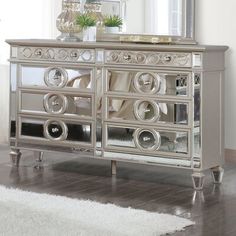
<point x="66" y="21"/>
<point x="94" y="7"/>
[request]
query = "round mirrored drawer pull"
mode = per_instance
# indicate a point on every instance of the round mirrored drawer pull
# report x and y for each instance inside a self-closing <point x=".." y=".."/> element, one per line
<point x="147" y="82"/>
<point x="147" y="139"/>
<point x="55" y="77"/>
<point x="55" y="130"/>
<point x="55" y="103"/>
<point x="146" y="111"/>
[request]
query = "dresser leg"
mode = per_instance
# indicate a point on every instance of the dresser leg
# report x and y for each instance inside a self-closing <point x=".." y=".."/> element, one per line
<point x="113" y="167"/>
<point x="198" y="180"/>
<point x="38" y="159"/>
<point x="15" y="156"/>
<point x="217" y="174"/>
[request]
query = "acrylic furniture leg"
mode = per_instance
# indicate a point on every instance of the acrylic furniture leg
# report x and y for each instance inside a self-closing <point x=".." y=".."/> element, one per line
<point x="113" y="167"/>
<point x="38" y="159"/>
<point x="198" y="180"/>
<point x="217" y="174"/>
<point x="15" y="156"/>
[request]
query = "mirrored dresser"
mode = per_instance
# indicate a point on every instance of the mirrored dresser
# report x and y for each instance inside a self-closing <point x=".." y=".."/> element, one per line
<point x="138" y="103"/>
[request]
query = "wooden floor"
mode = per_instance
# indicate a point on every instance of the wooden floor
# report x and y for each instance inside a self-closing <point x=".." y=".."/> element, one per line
<point x="154" y="189"/>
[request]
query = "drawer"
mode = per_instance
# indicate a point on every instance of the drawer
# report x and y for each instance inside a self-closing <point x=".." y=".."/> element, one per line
<point x="57" y="54"/>
<point x="56" y="104"/>
<point x="57" y="77"/>
<point x="147" y="140"/>
<point x="55" y="131"/>
<point x="146" y="82"/>
<point x="162" y="112"/>
<point x="170" y="59"/>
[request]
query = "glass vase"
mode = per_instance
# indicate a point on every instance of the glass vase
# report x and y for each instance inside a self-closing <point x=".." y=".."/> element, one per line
<point x="66" y="21"/>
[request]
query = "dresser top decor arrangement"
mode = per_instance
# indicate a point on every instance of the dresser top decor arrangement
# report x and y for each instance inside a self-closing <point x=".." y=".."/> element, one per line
<point x="159" y="21"/>
<point x="147" y="103"/>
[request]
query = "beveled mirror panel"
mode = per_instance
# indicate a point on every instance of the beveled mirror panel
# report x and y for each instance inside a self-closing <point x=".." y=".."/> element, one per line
<point x="147" y="111"/>
<point x="147" y="140"/>
<point x="148" y="83"/>
<point x="57" y="77"/>
<point x="57" y="104"/>
<point x="56" y="131"/>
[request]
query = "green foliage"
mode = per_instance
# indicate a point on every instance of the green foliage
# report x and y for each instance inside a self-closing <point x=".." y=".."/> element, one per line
<point x="85" y="20"/>
<point x="113" y="21"/>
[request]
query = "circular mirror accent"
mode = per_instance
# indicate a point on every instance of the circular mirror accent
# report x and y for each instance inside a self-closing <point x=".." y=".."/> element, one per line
<point x="146" y="111"/>
<point x="55" y="103"/>
<point x="38" y="52"/>
<point x="147" y="82"/>
<point x="87" y="55"/>
<point x="27" y="52"/>
<point x="153" y="59"/>
<point x="140" y="58"/>
<point x="74" y="55"/>
<point x="147" y="139"/>
<point x="55" y="130"/>
<point x="55" y="77"/>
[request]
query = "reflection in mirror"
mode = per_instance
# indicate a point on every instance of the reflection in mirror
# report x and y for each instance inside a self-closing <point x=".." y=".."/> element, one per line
<point x="56" y="77"/>
<point x="153" y="17"/>
<point x="54" y="103"/>
<point x="162" y="83"/>
<point x="13" y="100"/>
<point x="150" y="140"/>
<point x="147" y="111"/>
<point x="52" y="129"/>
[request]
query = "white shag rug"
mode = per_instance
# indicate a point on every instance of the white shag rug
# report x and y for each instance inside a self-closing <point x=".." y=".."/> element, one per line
<point x="33" y="214"/>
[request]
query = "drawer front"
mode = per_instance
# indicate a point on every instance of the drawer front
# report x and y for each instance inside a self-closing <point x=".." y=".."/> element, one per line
<point x="57" y="104"/>
<point x="57" y="77"/>
<point x="57" y="54"/>
<point x="56" y="131"/>
<point x="146" y="82"/>
<point x="148" y="140"/>
<point x="149" y="58"/>
<point x="162" y="112"/>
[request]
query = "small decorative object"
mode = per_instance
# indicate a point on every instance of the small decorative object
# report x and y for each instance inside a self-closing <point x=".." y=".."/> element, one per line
<point x="94" y="8"/>
<point x="88" y="23"/>
<point x="112" y="24"/>
<point x="66" y="21"/>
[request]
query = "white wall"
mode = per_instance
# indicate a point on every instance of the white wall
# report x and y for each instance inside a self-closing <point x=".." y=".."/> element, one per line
<point x="215" y="24"/>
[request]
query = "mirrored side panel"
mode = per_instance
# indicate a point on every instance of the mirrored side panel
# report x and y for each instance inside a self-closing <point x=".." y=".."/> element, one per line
<point x="57" y="104"/>
<point x="197" y="115"/>
<point x="147" y="140"/>
<point x="13" y="100"/>
<point x="148" y="83"/>
<point x="57" y="77"/>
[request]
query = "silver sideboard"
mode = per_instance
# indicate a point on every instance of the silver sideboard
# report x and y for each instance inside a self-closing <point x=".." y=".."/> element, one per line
<point x="148" y="104"/>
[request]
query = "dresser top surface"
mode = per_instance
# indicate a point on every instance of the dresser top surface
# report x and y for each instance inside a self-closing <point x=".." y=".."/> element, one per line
<point x="114" y="45"/>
